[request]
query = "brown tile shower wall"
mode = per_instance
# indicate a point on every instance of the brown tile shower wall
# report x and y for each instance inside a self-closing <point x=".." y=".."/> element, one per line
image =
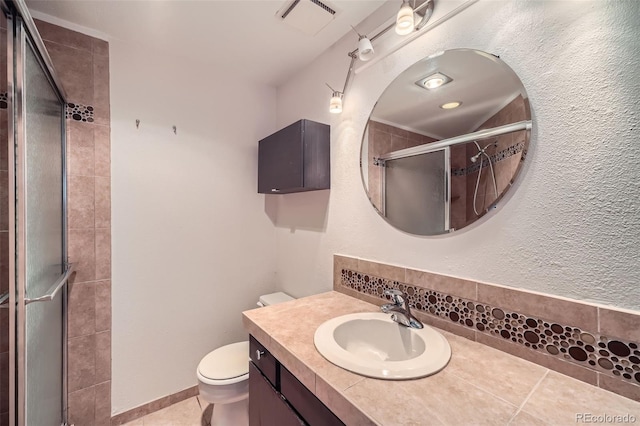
<point x="82" y="63"/>
<point x="504" y="168"/>
<point x="595" y="344"/>
<point x="384" y="138"/>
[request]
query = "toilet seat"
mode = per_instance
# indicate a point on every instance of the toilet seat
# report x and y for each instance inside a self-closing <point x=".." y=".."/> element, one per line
<point x="226" y="365"/>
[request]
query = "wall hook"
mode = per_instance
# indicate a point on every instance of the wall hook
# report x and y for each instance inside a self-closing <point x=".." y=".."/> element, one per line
<point x="175" y="130"/>
<point x="137" y="124"/>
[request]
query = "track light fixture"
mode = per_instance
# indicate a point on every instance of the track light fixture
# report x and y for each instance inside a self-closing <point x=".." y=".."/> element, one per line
<point x="409" y="19"/>
<point x="335" y="105"/>
<point x="365" y="48"/>
<point x="405" y="22"/>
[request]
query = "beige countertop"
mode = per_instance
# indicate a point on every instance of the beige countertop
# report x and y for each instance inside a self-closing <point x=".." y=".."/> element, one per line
<point x="479" y="386"/>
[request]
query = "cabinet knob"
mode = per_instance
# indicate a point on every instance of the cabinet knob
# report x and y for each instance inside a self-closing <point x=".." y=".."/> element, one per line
<point x="259" y="354"/>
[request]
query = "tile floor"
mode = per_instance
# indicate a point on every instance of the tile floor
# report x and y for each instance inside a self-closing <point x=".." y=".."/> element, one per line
<point x="185" y="413"/>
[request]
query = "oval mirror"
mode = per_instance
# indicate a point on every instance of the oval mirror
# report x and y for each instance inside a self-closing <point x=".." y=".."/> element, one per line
<point x="445" y="141"/>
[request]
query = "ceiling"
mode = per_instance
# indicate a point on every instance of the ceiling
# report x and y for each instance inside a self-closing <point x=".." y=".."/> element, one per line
<point x="482" y="82"/>
<point x="245" y="37"/>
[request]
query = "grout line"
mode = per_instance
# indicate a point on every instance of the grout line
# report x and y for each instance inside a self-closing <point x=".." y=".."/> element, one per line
<point x="349" y="387"/>
<point x="468" y="383"/>
<point x="535" y="387"/>
<point x="81" y="49"/>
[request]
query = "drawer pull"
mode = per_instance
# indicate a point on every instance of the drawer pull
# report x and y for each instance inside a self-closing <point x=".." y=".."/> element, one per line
<point x="259" y="354"/>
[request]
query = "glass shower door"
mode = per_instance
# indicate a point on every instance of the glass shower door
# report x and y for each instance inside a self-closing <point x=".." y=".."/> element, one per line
<point x="416" y="192"/>
<point x="39" y="239"/>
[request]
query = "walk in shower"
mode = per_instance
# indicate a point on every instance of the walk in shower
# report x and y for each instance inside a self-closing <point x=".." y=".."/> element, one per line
<point x="33" y="235"/>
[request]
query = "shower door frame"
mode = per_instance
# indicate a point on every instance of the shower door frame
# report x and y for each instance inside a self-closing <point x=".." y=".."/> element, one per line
<point x="21" y="31"/>
<point x="447" y="183"/>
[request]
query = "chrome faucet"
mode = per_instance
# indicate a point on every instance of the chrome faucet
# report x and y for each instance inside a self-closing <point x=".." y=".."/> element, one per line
<point x="399" y="313"/>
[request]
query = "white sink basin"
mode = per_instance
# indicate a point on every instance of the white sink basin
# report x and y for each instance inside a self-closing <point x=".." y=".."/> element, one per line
<point x="373" y="345"/>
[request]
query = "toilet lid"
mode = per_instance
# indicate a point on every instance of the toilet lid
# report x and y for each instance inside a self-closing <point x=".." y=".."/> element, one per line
<point x="226" y="362"/>
<point x="274" y="298"/>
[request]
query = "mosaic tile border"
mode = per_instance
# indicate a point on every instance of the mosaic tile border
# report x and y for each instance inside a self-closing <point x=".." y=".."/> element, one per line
<point x="495" y="158"/>
<point x="603" y="354"/>
<point x="79" y="112"/>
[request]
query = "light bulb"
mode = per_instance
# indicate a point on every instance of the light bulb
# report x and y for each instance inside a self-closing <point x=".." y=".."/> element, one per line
<point x="365" y="49"/>
<point x="451" y="105"/>
<point x="335" y="106"/>
<point x="405" y="21"/>
<point x="432" y="83"/>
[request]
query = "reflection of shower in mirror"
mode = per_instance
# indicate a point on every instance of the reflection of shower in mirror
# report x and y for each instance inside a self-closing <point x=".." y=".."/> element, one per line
<point x="417" y="159"/>
<point x="482" y="151"/>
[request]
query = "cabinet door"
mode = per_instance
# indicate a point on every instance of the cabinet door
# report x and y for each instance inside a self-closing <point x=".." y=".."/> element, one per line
<point x="280" y="161"/>
<point x="266" y="406"/>
<point x="307" y="404"/>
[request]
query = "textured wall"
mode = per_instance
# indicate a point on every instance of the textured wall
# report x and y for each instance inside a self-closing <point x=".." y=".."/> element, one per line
<point x="570" y="226"/>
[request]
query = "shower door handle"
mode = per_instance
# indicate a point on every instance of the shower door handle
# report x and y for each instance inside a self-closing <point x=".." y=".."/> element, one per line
<point x="55" y="288"/>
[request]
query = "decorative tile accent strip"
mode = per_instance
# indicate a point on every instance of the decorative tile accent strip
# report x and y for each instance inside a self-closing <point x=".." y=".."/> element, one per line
<point x="3" y="100"/>
<point x="603" y="354"/>
<point x="498" y="156"/>
<point x="79" y="112"/>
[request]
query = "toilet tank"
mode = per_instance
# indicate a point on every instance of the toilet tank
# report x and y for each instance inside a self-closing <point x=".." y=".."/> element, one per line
<point x="273" y="298"/>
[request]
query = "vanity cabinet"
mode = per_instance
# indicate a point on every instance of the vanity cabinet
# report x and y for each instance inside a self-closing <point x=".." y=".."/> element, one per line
<point x="295" y="159"/>
<point x="277" y="398"/>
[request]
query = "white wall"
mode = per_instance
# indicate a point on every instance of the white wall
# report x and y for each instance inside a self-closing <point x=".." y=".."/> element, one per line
<point x="192" y="243"/>
<point x="571" y="225"/>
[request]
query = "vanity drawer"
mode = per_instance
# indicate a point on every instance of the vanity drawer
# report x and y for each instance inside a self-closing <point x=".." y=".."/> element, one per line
<point x="263" y="359"/>
<point x="306" y="403"/>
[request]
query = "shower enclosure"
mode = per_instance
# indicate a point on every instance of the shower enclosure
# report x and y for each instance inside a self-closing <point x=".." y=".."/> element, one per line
<point x="34" y="252"/>
<point x="416" y="192"/>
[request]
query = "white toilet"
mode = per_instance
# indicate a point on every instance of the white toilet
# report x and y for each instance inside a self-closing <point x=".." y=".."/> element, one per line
<point x="223" y="377"/>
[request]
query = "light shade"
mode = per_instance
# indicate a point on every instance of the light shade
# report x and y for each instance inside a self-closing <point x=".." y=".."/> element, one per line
<point x="405" y="21"/>
<point x="365" y="49"/>
<point x="335" y="106"/>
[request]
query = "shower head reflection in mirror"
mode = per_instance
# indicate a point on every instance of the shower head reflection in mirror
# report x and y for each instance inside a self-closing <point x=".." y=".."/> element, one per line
<point x="416" y="157"/>
<point x="481" y="152"/>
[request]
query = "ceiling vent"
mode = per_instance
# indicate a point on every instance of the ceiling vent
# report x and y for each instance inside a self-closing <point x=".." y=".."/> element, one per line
<point x="307" y="16"/>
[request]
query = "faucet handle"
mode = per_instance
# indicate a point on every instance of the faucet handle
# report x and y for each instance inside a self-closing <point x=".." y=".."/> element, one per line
<point x="396" y="295"/>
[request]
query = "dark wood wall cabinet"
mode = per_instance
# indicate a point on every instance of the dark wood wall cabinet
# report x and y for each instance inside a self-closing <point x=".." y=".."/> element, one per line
<point x="277" y="398"/>
<point x="295" y="159"/>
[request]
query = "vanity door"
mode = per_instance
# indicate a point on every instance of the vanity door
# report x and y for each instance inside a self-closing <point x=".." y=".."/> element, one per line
<point x="266" y="405"/>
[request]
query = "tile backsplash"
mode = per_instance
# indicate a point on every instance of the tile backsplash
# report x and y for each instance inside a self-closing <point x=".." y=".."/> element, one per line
<point x="561" y="334"/>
